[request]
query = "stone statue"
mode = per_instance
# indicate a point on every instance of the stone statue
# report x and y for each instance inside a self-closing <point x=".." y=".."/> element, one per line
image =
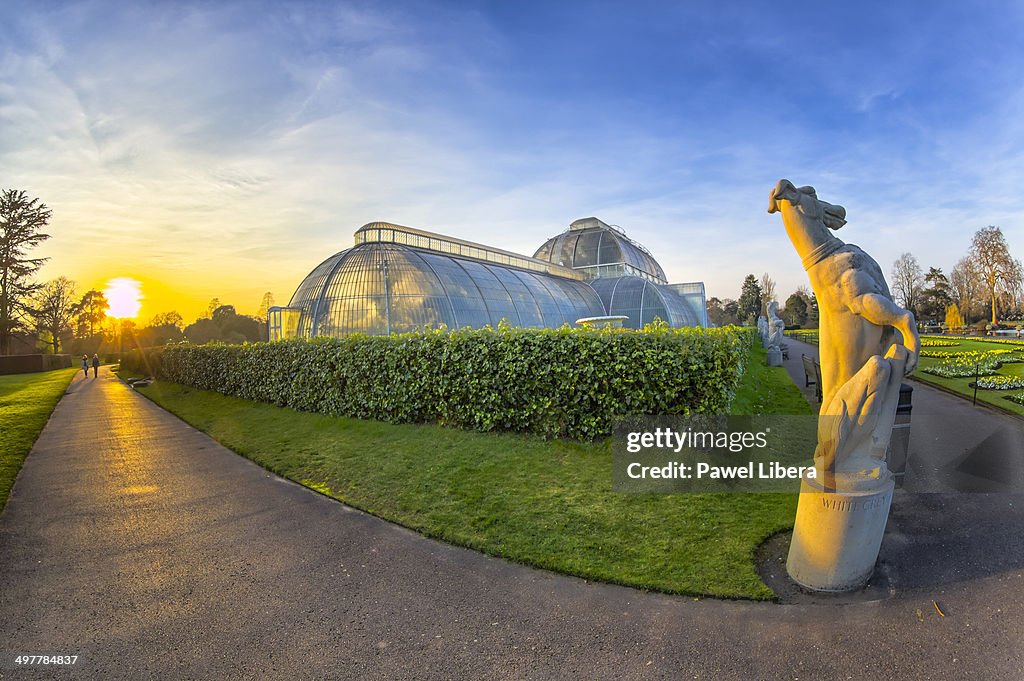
<point x="863" y="361"/>
<point x="775" y="326"/>
<point x="762" y="329"/>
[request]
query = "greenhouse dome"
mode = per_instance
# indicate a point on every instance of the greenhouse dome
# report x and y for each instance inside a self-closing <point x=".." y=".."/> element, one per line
<point x="598" y="250"/>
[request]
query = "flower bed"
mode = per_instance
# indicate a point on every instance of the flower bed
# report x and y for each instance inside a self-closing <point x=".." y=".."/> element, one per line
<point x="1000" y="382"/>
<point x="968" y="355"/>
<point x="937" y="343"/>
<point x="989" y="339"/>
<point x="965" y="365"/>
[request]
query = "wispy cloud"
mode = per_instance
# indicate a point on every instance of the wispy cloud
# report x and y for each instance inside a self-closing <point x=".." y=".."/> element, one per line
<point x="244" y="142"/>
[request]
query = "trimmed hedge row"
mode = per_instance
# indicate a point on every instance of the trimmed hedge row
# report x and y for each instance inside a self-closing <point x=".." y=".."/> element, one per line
<point x="553" y="382"/>
<point x="27" y="364"/>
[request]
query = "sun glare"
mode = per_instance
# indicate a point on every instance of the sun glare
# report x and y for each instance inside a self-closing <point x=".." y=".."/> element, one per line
<point x="124" y="295"/>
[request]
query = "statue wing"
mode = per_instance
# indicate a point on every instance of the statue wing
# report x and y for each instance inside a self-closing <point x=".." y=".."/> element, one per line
<point x="851" y="416"/>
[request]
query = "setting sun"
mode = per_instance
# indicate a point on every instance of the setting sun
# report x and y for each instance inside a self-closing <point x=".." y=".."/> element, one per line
<point x="124" y="295"/>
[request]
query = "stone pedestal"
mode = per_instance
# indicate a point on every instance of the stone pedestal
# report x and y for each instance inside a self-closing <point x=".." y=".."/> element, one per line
<point x="837" y="535"/>
<point x="774" y="357"/>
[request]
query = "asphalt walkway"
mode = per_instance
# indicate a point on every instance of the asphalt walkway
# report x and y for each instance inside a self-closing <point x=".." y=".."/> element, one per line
<point x="141" y="545"/>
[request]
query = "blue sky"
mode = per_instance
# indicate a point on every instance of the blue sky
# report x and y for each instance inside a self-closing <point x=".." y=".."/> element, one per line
<point x="224" y="149"/>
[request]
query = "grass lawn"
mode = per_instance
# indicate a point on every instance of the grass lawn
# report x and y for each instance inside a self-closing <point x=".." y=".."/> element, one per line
<point x="543" y="503"/>
<point x="26" y="402"/>
<point x="962" y="385"/>
<point x="809" y="336"/>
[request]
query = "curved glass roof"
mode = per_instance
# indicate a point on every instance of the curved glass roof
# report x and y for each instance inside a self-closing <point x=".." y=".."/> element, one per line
<point x="598" y="250"/>
<point x="642" y="300"/>
<point x="380" y="287"/>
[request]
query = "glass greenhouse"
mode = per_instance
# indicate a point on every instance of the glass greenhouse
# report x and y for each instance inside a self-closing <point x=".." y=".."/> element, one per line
<point x="598" y="250"/>
<point x="397" y="279"/>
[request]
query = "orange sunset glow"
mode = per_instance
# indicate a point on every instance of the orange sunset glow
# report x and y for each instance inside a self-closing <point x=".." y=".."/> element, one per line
<point x="124" y="295"/>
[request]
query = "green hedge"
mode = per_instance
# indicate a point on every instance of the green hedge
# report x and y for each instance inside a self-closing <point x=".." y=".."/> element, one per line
<point x="553" y="382"/>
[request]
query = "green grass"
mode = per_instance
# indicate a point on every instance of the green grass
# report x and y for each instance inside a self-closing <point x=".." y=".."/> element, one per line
<point x="961" y="386"/>
<point x="26" y="402"/>
<point x="542" y="503"/>
<point x="768" y="390"/>
<point x="809" y="336"/>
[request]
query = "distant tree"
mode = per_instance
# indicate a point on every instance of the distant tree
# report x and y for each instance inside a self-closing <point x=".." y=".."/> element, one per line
<point x="202" y="330"/>
<point x="163" y="328"/>
<point x="722" y="312"/>
<point x="214" y="304"/>
<point x="795" y="312"/>
<point x="171" y="318"/>
<point x="812" y="306"/>
<point x="907" y="282"/>
<point x="90" y="313"/>
<point x="954" y="320"/>
<point x="53" y="308"/>
<point x="224" y="312"/>
<point x="21" y="220"/>
<point x="226" y="325"/>
<point x="965" y="286"/>
<point x="732" y="311"/>
<point x="265" y="305"/>
<point x="749" y="303"/>
<point x="990" y="256"/>
<point x="767" y="285"/>
<point x="714" y="310"/>
<point x="1011" y="288"/>
<point x="936" y="296"/>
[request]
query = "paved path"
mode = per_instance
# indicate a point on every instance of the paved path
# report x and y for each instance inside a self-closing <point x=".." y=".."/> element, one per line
<point x="152" y="552"/>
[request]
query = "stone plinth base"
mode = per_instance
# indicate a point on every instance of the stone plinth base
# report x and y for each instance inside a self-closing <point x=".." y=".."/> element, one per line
<point x="774" y="357"/>
<point x="837" y="535"/>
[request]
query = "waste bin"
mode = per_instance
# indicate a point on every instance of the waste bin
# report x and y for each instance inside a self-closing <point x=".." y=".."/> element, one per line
<point x="899" y="444"/>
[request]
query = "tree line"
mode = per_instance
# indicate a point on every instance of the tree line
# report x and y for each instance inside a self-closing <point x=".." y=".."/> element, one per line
<point x="800" y="311"/>
<point x="985" y="287"/>
<point x="50" y="316"/>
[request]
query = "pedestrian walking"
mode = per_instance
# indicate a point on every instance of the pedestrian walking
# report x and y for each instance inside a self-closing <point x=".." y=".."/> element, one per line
<point x="95" y="366"/>
<point x="85" y="365"/>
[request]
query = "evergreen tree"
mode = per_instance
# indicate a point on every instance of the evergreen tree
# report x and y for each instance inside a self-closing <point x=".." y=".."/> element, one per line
<point x="936" y="296"/>
<point x="795" y="312"/>
<point x="20" y="223"/>
<point x="749" y="303"/>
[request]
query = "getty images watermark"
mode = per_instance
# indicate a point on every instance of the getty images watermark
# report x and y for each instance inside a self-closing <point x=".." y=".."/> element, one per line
<point x="713" y="454"/>
<point x="772" y="453"/>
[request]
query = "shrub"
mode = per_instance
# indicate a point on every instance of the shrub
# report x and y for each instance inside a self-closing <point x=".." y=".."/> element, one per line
<point x="553" y="382"/>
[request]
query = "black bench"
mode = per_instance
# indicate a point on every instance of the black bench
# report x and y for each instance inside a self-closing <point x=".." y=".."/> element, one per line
<point x="812" y="374"/>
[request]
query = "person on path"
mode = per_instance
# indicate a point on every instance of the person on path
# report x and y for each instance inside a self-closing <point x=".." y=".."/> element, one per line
<point x="85" y="365"/>
<point x="95" y="366"/>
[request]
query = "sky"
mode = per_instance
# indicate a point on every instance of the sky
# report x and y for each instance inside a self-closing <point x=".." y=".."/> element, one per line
<point x="224" y="149"/>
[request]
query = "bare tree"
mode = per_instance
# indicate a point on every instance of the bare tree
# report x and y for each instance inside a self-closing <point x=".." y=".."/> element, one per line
<point x="20" y="222"/>
<point x="992" y="261"/>
<point x="966" y="286"/>
<point x="53" y="308"/>
<point x="907" y="282"/>
<point x="767" y="291"/>
<point x="1012" y="287"/>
